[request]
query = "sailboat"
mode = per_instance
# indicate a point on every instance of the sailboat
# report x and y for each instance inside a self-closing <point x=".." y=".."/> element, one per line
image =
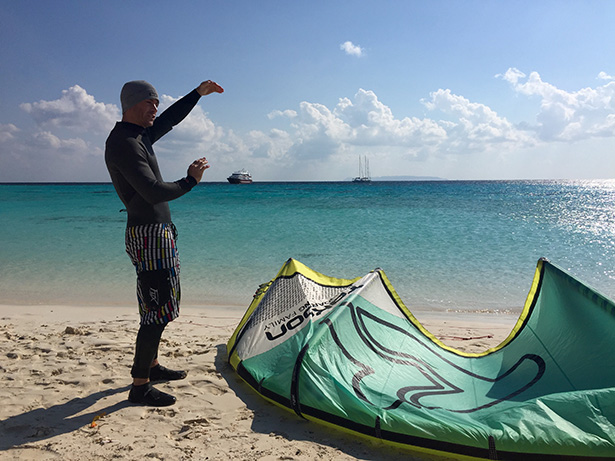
<point x="363" y="171"/>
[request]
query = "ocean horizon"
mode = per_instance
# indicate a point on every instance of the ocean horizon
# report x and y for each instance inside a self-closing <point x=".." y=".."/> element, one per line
<point x="445" y="245"/>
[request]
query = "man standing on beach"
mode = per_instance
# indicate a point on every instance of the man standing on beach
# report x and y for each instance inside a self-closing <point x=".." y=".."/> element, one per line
<point x="150" y="234"/>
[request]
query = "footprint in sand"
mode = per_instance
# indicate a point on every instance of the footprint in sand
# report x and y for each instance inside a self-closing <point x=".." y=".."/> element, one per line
<point x="209" y="386"/>
<point x="170" y="412"/>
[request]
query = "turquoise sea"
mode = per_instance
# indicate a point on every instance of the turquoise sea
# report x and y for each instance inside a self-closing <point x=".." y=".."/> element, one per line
<point x="467" y="245"/>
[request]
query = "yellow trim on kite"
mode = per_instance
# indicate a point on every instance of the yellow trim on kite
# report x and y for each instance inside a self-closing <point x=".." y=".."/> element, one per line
<point x="520" y="321"/>
<point x="290" y="268"/>
<point x="529" y="302"/>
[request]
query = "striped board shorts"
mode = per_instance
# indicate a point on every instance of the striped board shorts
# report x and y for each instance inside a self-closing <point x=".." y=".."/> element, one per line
<point x="153" y="252"/>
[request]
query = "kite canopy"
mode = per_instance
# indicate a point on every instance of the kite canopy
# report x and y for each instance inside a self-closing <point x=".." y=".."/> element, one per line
<point x="348" y="353"/>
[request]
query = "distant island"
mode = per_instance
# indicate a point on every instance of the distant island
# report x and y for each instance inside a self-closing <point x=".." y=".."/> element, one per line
<point x="404" y="178"/>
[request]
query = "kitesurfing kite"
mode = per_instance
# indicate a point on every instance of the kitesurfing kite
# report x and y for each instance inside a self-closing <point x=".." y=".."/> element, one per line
<point x="348" y="353"/>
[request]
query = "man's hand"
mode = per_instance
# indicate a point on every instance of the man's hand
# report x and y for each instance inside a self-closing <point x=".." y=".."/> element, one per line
<point x="209" y="87"/>
<point x="197" y="168"/>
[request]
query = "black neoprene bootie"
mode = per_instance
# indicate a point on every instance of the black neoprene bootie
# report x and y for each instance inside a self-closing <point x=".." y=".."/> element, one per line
<point x="148" y="395"/>
<point x="160" y="373"/>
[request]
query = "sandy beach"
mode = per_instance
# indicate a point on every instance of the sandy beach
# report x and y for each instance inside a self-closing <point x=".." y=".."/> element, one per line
<point x="65" y="376"/>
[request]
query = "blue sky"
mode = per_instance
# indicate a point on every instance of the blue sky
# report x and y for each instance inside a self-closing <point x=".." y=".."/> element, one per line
<point x="452" y="89"/>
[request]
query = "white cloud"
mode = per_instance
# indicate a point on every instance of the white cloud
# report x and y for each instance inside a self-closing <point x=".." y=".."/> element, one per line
<point x="273" y="145"/>
<point x="75" y="109"/>
<point x="7" y="132"/>
<point x="373" y="123"/>
<point x="316" y="141"/>
<point x="365" y="123"/>
<point x="198" y="136"/>
<point x="351" y="49"/>
<point x="48" y="154"/>
<point x="57" y="148"/>
<point x="196" y="128"/>
<point x="567" y="116"/>
<point x="43" y="156"/>
<point x="282" y="113"/>
<point x="35" y="155"/>
<point x="475" y="126"/>
<point x="604" y="76"/>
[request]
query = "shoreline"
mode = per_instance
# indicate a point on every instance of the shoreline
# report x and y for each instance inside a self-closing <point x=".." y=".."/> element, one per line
<point x="65" y="380"/>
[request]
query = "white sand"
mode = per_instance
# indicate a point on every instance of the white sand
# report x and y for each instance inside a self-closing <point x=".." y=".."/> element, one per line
<point x="65" y="376"/>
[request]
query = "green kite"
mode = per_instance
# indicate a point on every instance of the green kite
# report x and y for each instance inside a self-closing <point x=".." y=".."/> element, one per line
<point x="348" y="353"/>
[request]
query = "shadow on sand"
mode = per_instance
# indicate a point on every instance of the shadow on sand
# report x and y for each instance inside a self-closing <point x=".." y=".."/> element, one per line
<point x="43" y="423"/>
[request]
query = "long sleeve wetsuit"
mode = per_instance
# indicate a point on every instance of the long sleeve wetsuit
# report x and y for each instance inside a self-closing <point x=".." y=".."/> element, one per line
<point x="134" y="169"/>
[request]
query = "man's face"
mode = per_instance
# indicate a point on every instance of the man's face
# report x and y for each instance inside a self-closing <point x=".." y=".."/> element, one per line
<point x="144" y="112"/>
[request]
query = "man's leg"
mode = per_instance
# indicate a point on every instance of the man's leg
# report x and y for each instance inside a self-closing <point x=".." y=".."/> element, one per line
<point x="146" y="353"/>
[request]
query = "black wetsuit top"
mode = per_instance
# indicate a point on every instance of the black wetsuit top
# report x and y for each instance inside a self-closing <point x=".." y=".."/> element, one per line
<point x="134" y="169"/>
